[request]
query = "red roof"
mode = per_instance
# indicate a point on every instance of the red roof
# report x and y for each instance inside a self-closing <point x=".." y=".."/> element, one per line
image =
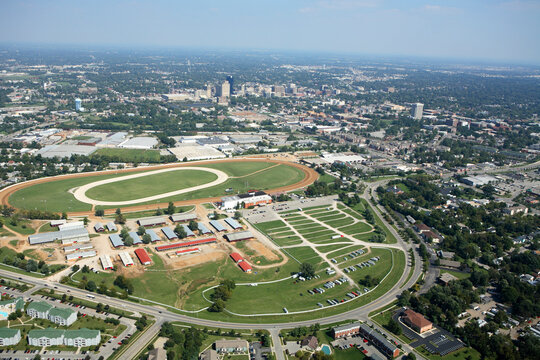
<point x="244" y="266"/>
<point x="417" y="319"/>
<point x="143" y="256"/>
<point x="187" y="250"/>
<point x="236" y="257"/>
<point x="185" y="244"/>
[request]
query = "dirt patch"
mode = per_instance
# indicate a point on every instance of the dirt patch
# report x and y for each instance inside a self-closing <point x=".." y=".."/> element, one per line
<point x="129" y="272"/>
<point x="262" y="250"/>
<point x="196" y="259"/>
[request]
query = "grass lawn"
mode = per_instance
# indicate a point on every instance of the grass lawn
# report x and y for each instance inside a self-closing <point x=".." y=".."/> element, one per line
<point x="460" y="275"/>
<point x="344" y="251"/>
<point x="269" y="225"/>
<point x="130" y="155"/>
<point x="339" y="223"/>
<point x="304" y="254"/>
<point x="55" y="196"/>
<point x="390" y="238"/>
<point x="150" y="185"/>
<point x="359" y="227"/>
<point x="23" y="227"/>
<point x="47" y="228"/>
<point x="460" y="354"/>
<point x="330" y="248"/>
<point x="326" y="178"/>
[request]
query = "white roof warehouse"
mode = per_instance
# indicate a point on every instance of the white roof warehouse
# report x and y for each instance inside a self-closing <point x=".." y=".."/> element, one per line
<point x="72" y="234"/>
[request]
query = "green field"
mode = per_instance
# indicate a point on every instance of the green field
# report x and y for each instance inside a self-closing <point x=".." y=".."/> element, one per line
<point x="150" y="185"/>
<point x="130" y="155"/>
<point x="55" y="196"/>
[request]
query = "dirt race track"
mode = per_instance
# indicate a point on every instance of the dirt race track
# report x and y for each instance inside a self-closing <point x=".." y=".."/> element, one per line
<point x="309" y="177"/>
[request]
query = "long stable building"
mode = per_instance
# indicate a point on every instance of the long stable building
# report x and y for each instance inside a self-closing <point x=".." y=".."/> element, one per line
<point x="186" y="244"/>
<point x="239" y="236"/>
<point x="67" y="237"/>
<point x="106" y="262"/>
<point x="233" y="223"/>
<point x="126" y="259"/>
<point x="81" y="255"/>
<point x="143" y="257"/>
<point x="152" y="221"/>
<point x="183" y="217"/>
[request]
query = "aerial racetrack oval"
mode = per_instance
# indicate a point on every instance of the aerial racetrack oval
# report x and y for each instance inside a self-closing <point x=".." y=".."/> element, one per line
<point x="153" y="187"/>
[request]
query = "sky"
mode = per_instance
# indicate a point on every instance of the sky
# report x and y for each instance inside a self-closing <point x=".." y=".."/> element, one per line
<point x="493" y="30"/>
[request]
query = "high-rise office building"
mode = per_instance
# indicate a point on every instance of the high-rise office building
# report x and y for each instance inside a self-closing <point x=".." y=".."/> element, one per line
<point x="230" y="79"/>
<point x="417" y="111"/>
<point x="78" y="103"/>
<point x="224" y="90"/>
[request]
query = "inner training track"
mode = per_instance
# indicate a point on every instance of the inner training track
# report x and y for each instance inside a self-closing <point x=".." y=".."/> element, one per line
<point x="310" y="176"/>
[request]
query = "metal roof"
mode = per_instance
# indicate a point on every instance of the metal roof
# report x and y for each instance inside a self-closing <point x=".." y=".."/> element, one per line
<point x="152" y="220"/>
<point x="111" y="226"/>
<point x="169" y="233"/>
<point x="242" y="235"/>
<point x="217" y="225"/>
<point x="78" y="247"/>
<point x="188" y="231"/>
<point x="153" y="235"/>
<point x="135" y="237"/>
<point x="143" y="256"/>
<point x="126" y="258"/>
<point x="233" y="223"/>
<point x="116" y="240"/>
<point x="98" y="226"/>
<point x="106" y="261"/>
<point x="183" y="217"/>
<point x="203" y="229"/>
<point x="81" y="254"/>
<point x="56" y="235"/>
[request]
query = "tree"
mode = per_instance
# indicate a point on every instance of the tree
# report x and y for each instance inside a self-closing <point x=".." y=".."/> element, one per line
<point x="141" y="230"/>
<point x="394" y="327"/>
<point x="64" y="215"/>
<point x="99" y="212"/>
<point x="86" y="221"/>
<point x="159" y="212"/>
<point x="307" y="270"/>
<point x="180" y="231"/>
<point x="193" y="226"/>
<point x="91" y="286"/>
<point x="120" y="219"/>
<point x="146" y="239"/>
<point x="171" y="209"/>
<point x="217" y="306"/>
<point x="118" y="211"/>
<point x="237" y="214"/>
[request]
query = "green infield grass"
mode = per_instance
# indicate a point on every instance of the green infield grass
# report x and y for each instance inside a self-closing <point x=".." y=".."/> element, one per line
<point x="130" y="155"/>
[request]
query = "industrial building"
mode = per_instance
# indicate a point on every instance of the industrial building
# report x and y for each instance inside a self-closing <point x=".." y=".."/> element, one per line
<point x="152" y="221"/>
<point x="217" y="225"/>
<point x="65" y="151"/>
<point x="66" y="236"/>
<point x="239" y="236"/>
<point x="81" y="255"/>
<point x="478" y="180"/>
<point x="106" y="262"/>
<point x="126" y="258"/>
<point x="171" y="235"/>
<point x="186" y="244"/>
<point x="143" y="257"/>
<point x="142" y="142"/>
<point x="196" y="152"/>
<point x="116" y="240"/>
<point x="77" y="247"/>
<point x="183" y="217"/>
<point x="233" y="223"/>
<point x="153" y="236"/>
<point x="245" y="200"/>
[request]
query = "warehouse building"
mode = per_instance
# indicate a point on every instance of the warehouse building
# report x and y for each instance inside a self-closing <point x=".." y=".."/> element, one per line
<point x="71" y="225"/>
<point x="245" y="200"/>
<point x="135" y="237"/>
<point x="142" y="142"/>
<point x="478" y="180"/>
<point x="116" y="240"/>
<point x="9" y="337"/>
<point x="126" y="259"/>
<point x="111" y="226"/>
<point x="186" y="244"/>
<point x="183" y="217"/>
<point x="65" y="151"/>
<point x="98" y="227"/>
<point x="239" y="236"/>
<point x="187" y="251"/>
<point x="153" y="236"/>
<point x="188" y="231"/>
<point x="56" y="337"/>
<point x="196" y="152"/>
<point x="84" y="246"/>
<point x="66" y="236"/>
<point x="143" y="256"/>
<point x="81" y="255"/>
<point x="233" y="223"/>
<point x="171" y="235"/>
<point x="217" y="225"/>
<point x="152" y="221"/>
<point x="56" y="223"/>
<point x="203" y="230"/>
<point x="106" y="262"/>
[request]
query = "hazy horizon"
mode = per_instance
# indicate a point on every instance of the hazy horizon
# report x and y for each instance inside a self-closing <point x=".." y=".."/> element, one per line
<point x="455" y="30"/>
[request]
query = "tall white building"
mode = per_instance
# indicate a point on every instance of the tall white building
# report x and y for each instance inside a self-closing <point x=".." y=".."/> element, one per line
<point x="78" y="103"/>
<point x="417" y="111"/>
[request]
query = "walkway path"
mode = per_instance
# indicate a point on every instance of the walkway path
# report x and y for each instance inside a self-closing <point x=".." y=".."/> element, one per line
<point x="80" y="193"/>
